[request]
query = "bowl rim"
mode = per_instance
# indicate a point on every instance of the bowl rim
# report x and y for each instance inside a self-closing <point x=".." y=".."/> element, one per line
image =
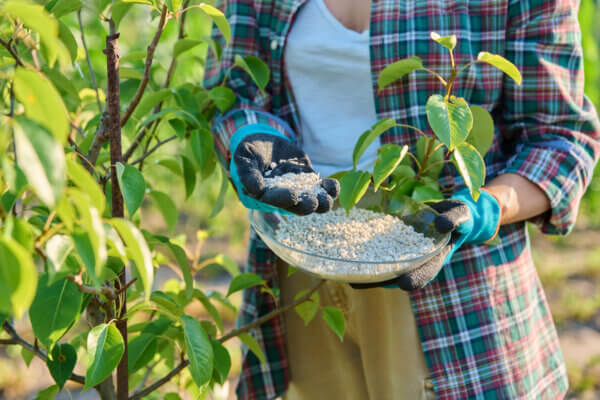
<point x="277" y="215"/>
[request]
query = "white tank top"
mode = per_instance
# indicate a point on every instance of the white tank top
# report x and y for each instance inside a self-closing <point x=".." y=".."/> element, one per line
<point x="329" y="69"/>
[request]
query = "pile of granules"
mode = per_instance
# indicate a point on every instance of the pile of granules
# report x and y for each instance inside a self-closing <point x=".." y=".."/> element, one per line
<point x="303" y="182"/>
<point x="362" y="235"/>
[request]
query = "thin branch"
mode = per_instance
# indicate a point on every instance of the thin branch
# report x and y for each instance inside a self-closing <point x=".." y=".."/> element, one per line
<point x="146" y="77"/>
<point x="161" y="381"/>
<point x="100" y="137"/>
<point x="89" y="62"/>
<point x="413" y="128"/>
<point x="106" y="291"/>
<point x="236" y="332"/>
<point x="140" y="136"/>
<point x="153" y="149"/>
<point x="12" y="52"/>
<point x="272" y="314"/>
<point x="8" y="342"/>
<point x="35" y="350"/>
<point x="86" y="163"/>
<point x="438" y="76"/>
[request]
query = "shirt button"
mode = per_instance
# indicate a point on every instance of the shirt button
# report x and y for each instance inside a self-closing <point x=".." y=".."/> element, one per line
<point x="274" y="44"/>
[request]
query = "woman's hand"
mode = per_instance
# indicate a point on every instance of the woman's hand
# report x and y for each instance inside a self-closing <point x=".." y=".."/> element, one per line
<point x="469" y="221"/>
<point x="260" y="154"/>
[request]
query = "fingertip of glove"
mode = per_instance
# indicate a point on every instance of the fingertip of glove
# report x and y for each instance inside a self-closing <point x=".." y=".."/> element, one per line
<point x="307" y="204"/>
<point x="325" y="203"/>
<point x="331" y="186"/>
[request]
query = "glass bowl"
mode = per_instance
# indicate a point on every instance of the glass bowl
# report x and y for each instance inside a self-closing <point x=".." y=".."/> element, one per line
<point x="419" y="216"/>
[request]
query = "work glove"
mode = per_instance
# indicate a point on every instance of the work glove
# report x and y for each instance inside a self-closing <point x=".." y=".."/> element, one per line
<point x="258" y="155"/>
<point x="469" y="221"/>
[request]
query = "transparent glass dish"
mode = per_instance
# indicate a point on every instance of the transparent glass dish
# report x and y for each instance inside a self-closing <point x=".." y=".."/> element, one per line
<point x="419" y="216"/>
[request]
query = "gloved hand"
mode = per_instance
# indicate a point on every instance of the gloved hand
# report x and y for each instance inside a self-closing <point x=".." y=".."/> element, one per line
<point x="469" y="221"/>
<point x="258" y="154"/>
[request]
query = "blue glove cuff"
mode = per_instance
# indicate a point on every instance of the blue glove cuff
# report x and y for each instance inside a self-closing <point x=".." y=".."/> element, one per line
<point x="485" y="216"/>
<point x="234" y="142"/>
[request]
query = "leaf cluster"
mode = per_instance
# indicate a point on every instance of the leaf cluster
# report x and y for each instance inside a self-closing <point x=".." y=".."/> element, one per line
<point x="458" y="133"/>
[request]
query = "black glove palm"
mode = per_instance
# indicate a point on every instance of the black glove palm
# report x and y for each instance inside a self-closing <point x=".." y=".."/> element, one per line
<point x="260" y="154"/>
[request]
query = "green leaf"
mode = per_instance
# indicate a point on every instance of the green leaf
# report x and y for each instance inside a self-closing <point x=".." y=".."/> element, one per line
<point x="61" y="363"/>
<point x="183" y="45"/>
<point x="256" y="68"/>
<point x="166" y="304"/>
<point x="365" y="140"/>
<point x="202" y="147"/>
<point x="18" y="278"/>
<point x="502" y="64"/>
<point x="133" y="186"/>
<point x="35" y="17"/>
<point x="25" y="353"/>
<point x="173" y="5"/>
<point x="42" y="102"/>
<point x="309" y="308"/>
<point x="172" y="164"/>
<point x="244" y="281"/>
<point x="426" y="193"/>
<point x="199" y="350"/>
<point x="222" y="193"/>
<point x="184" y="266"/>
<point x="219" y="20"/>
<point x="223" y="97"/>
<point x="335" y="320"/>
<point x="151" y="100"/>
<point x="387" y="161"/>
<point x="144" y="2"/>
<point x="54" y="310"/>
<point x="84" y="181"/>
<point x="90" y="239"/>
<point x="42" y="160"/>
<point x="64" y="7"/>
<point x="482" y="134"/>
<point x="66" y="36"/>
<point x="253" y="346"/>
<point x="172" y="396"/>
<point x="119" y="10"/>
<point x="47" y="394"/>
<point x="166" y="207"/>
<point x="105" y="348"/>
<point x="140" y="351"/>
<point x="451" y="120"/>
<point x="470" y="164"/>
<point x="189" y="176"/>
<point x="222" y="362"/>
<point x="448" y="42"/>
<point x="353" y="186"/>
<point x="138" y="251"/>
<point x="210" y="308"/>
<point x="397" y="70"/>
<point x="436" y="157"/>
<point x="58" y="248"/>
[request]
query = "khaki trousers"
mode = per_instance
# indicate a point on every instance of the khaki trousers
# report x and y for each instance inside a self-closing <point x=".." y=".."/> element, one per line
<point x="380" y="358"/>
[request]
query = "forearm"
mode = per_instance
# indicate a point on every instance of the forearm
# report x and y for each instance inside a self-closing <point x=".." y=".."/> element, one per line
<point x="519" y="198"/>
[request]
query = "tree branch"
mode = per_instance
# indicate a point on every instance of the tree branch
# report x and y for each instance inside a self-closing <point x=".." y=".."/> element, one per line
<point x="34" y="349"/>
<point x="272" y="314"/>
<point x="146" y="77"/>
<point x="236" y="332"/>
<point x="12" y="52"/>
<point x="100" y="137"/>
<point x="153" y="149"/>
<point x="106" y="291"/>
<point x="89" y="62"/>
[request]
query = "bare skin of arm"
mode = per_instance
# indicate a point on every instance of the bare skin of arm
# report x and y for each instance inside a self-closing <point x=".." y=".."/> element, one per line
<point x="519" y="198"/>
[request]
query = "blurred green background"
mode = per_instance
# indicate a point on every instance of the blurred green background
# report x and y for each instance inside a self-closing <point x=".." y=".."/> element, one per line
<point x="569" y="267"/>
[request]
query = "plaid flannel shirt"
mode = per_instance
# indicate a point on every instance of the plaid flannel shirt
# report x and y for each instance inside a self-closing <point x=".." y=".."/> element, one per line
<point x="484" y="323"/>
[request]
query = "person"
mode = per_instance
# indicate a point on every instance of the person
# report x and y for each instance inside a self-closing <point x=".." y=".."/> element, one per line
<point x="474" y="324"/>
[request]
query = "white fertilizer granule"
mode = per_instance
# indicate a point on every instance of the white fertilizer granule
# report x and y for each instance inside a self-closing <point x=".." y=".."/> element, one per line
<point x="303" y="182"/>
<point x="362" y="235"/>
